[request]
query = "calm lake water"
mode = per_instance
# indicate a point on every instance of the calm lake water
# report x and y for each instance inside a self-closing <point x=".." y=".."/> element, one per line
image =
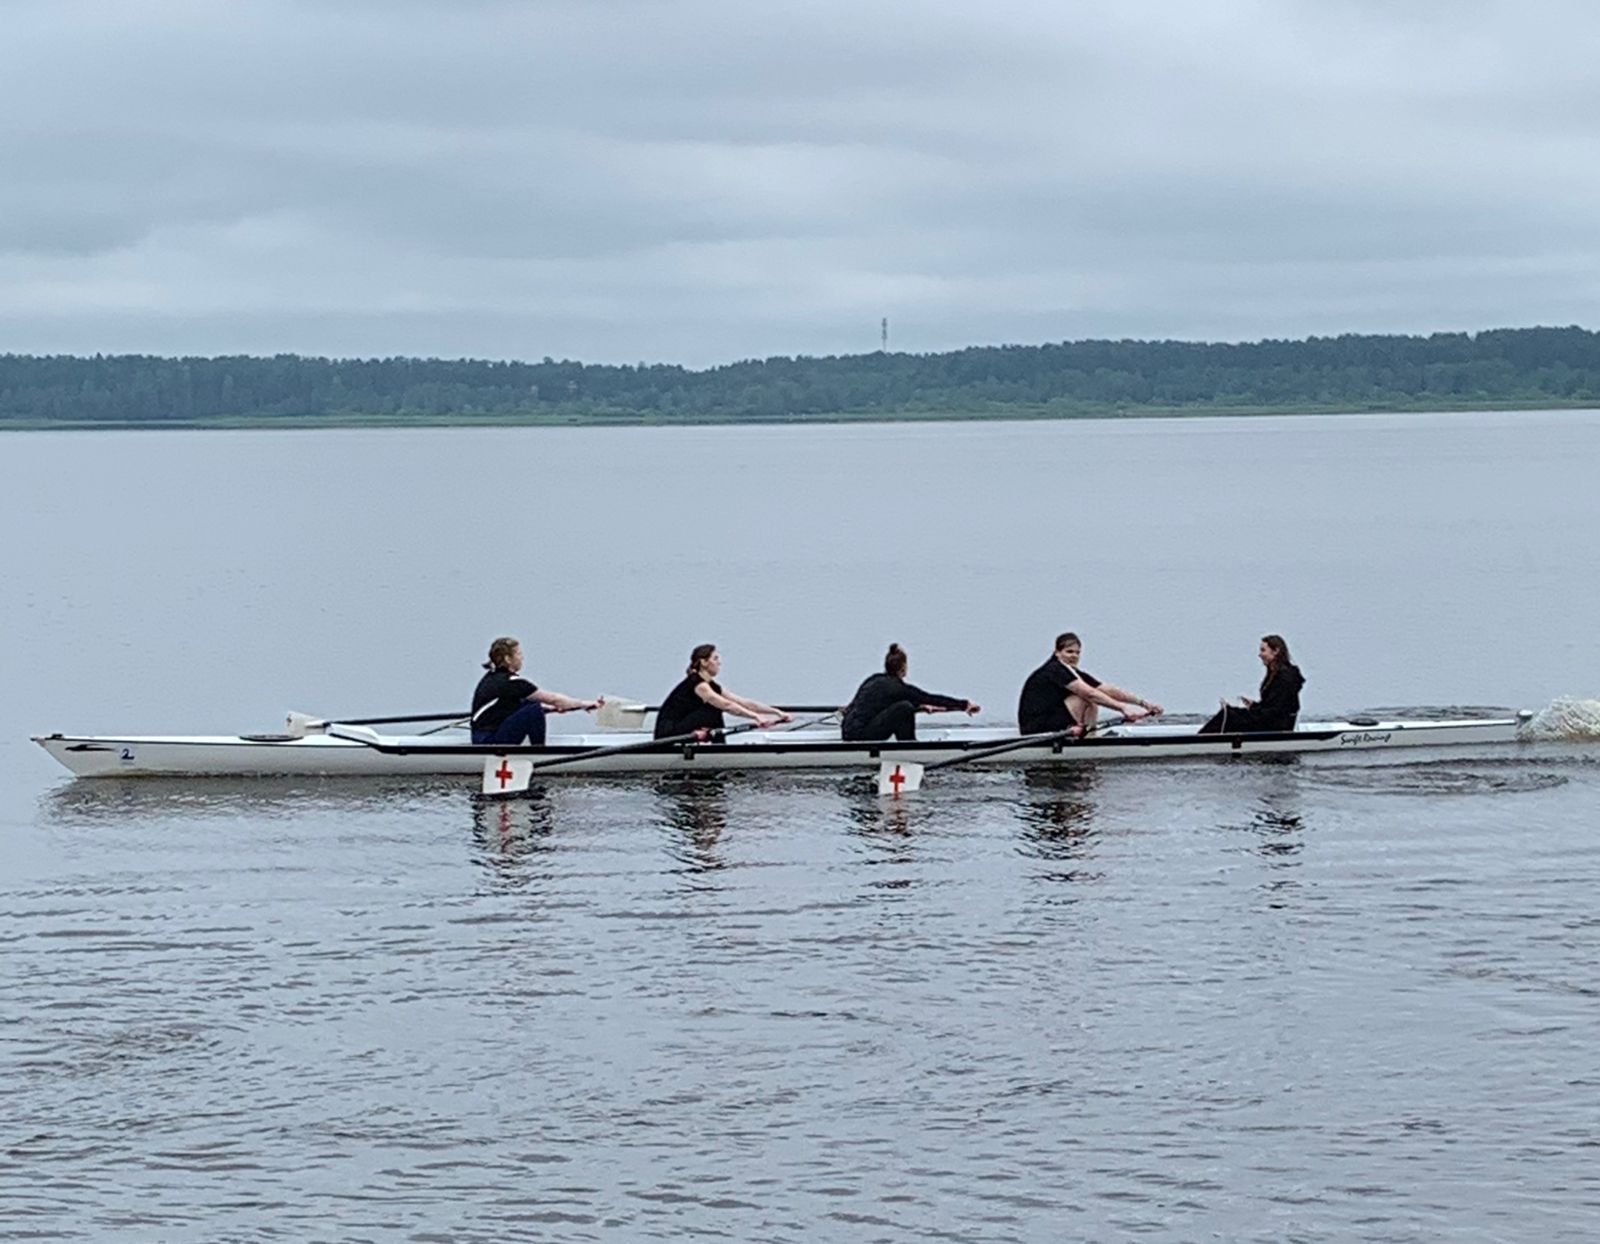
<point x="1255" y="1001"/>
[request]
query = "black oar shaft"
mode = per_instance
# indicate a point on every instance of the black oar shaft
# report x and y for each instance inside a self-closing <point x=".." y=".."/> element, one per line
<point x="782" y="708"/>
<point x="643" y="745"/>
<point x="385" y="721"/>
<point x="1014" y="745"/>
<point x="464" y="713"/>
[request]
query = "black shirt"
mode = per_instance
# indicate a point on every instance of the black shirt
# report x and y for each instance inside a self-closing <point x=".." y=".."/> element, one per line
<point x="1043" y="703"/>
<point x="882" y="690"/>
<point x="683" y="703"/>
<point x="500" y="693"/>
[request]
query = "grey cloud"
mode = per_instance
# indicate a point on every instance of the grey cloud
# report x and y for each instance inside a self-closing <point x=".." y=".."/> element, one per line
<point x="698" y="181"/>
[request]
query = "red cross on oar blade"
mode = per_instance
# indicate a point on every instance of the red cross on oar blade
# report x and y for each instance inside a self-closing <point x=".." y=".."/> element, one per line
<point x="897" y="779"/>
<point x="504" y="772"/>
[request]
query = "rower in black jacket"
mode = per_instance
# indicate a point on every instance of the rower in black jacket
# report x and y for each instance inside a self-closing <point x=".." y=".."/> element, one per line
<point x="1279" y="706"/>
<point x="886" y="705"/>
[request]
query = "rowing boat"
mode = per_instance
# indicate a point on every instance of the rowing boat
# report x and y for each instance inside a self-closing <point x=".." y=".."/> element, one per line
<point x="336" y="749"/>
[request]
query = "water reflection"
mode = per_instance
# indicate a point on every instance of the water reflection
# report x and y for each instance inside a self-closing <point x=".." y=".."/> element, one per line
<point x="1060" y="809"/>
<point x="114" y="801"/>
<point x="694" y="809"/>
<point x="1276" y="827"/>
<point x="1058" y="817"/>
<point x="885" y="824"/>
<point x="1278" y="824"/>
<point x="886" y="832"/>
<point x="510" y="832"/>
<point x="1278" y="832"/>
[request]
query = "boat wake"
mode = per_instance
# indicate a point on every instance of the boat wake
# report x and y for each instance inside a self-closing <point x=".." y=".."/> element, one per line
<point x="1436" y="778"/>
<point x="1567" y="719"/>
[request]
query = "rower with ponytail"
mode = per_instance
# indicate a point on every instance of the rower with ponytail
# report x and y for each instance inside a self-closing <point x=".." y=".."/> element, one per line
<point x="886" y="706"/>
<point x="509" y="709"/>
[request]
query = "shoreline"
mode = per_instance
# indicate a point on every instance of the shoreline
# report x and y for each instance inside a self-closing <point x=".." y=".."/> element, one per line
<point x="635" y="419"/>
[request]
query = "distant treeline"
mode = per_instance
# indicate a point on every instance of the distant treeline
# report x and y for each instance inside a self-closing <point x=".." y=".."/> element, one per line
<point x="1538" y="366"/>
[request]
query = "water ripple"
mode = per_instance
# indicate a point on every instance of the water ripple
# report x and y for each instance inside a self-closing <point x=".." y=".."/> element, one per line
<point x="1027" y="1003"/>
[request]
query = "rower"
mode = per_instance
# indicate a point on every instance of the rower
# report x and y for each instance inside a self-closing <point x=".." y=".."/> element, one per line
<point x="886" y="705"/>
<point x="509" y="709"/>
<point x="698" y="702"/>
<point x="1279" y="706"/>
<point x="1058" y="695"/>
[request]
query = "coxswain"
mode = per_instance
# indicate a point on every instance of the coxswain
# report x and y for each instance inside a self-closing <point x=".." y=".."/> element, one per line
<point x="886" y="705"/>
<point x="696" y="705"/>
<point x="1279" y="705"/>
<point x="509" y="709"/>
<point x="1059" y="696"/>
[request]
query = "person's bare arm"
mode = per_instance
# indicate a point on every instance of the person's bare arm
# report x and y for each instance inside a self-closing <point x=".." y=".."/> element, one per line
<point x="557" y="702"/>
<point x="738" y="705"/>
<point x="1128" y="697"/>
<point x="758" y="708"/>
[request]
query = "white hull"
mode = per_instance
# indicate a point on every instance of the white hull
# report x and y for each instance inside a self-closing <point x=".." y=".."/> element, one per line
<point x="366" y="754"/>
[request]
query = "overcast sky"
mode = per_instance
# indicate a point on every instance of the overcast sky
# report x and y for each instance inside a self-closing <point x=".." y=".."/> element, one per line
<point x="697" y="182"/>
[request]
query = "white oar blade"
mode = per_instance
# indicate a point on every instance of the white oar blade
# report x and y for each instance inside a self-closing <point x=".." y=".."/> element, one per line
<point x="898" y="777"/>
<point x="298" y="725"/>
<point x="620" y="714"/>
<point x="506" y="775"/>
<point x="353" y="734"/>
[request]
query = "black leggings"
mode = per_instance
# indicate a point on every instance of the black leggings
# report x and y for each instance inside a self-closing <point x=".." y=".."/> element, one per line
<point x="898" y="721"/>
<point x="1231" y="720"/>
<point x="1062" y="720"/>
<point x="526" y="723"/>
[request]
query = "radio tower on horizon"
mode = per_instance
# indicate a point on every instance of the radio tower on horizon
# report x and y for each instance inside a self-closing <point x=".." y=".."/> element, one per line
<point x="884" y="331"/>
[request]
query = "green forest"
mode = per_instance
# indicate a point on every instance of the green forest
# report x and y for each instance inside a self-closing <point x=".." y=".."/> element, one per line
<point x="1443" y="371"/>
